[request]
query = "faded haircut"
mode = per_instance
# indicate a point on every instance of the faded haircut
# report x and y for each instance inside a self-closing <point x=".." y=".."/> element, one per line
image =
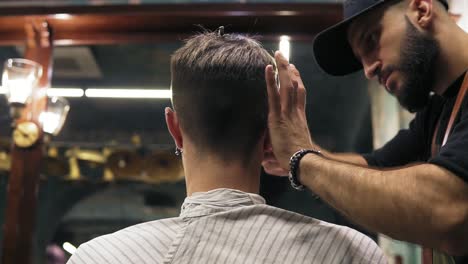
<point x="219" y="93"/>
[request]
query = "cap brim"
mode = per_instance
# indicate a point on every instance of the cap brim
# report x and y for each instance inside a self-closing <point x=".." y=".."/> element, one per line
<point x="332" y="50"/>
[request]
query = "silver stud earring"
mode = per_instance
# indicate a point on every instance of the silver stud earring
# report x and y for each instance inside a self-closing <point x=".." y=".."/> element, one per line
<point x="178" y="151"/>
<point x="220" y="31"/>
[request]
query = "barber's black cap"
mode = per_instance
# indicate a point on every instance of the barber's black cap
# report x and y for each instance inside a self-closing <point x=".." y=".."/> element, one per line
<point x="331" y="47"/>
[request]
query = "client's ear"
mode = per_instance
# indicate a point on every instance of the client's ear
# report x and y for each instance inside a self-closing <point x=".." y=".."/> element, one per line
<point x="269" y="162"/>
<point x="173" y="126"/>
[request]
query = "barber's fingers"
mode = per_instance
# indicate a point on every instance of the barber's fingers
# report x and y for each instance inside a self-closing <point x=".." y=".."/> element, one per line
<point x="301" y="91"/>
<point x="272" y="89"/>
<point x="293" y="92"/>
<point x="287" y="90"/>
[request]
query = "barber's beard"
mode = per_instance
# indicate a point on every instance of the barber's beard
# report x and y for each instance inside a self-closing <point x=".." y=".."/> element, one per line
<point x="418" y="56"/>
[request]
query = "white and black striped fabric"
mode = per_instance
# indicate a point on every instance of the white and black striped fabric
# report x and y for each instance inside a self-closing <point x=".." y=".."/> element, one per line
<point x="230" y="226"/>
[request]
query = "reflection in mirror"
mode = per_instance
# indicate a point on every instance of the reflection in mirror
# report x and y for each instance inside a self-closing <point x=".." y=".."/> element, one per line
<point x="113" y="164"/>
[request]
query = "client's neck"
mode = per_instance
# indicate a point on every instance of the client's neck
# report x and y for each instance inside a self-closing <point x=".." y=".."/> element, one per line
<point x="204" y="172"/>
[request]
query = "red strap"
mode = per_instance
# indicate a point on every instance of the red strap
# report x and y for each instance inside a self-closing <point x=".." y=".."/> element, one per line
<point x="427" y="254"/>
<point x="453" y="115"/>
<point x="456" y="107"/>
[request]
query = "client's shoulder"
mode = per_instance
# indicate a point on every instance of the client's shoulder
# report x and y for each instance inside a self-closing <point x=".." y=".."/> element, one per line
<point x="166" y="225"/>
<point x="134" y="244"/>
<point x="321" y="238"/>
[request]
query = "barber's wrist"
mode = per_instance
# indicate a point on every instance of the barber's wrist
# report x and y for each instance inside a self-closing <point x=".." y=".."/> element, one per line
<point x="295" y="168"/>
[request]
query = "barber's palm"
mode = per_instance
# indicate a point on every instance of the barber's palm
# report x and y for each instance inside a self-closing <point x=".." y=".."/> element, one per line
<point x="287" y="121"/>
<point x="272" y="166"/>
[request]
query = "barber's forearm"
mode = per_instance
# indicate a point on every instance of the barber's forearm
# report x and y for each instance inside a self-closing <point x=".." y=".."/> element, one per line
<point x="351" y="158"/>
<point x="348" y="157"/>
<point x="422" y="204"/>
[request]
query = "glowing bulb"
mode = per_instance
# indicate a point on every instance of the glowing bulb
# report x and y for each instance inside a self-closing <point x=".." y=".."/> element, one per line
<point x="62" y="16"/>
<point x="54" y="117"/>
<point x="128" y="93"/>
<point x="50" y="121"/>
<point x="284" y="46"/>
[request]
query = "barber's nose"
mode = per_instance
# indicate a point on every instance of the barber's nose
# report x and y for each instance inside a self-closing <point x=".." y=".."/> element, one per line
<point x="371" y="69"/>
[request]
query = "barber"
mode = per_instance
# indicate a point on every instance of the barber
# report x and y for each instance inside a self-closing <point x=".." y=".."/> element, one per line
<point x="414" y="188"/>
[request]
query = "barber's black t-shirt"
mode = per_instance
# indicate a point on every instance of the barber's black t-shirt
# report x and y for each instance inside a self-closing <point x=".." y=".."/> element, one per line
<point x="414" y="144"/>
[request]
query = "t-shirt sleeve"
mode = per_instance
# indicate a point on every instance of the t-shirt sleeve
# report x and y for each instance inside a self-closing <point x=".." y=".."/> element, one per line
<point x="454" y="154"/>
<point x="404" y="148"/>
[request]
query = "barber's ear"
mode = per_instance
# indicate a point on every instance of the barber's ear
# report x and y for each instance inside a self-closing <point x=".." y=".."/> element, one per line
<point x="173" y="126"/>
<point x="421" y="12"/>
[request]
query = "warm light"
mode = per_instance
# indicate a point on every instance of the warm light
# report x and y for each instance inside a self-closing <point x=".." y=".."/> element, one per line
<point x="49" y="121"/>
<point x="106" y="93"/>
<point x="62" y="16"/>
<point x="54" y="117"/>
<point x="61" y="92"/>
<point x="19" y="78"/>
<point x="284" y="46"/>
<point x="129" y="93"/>
<point x="65" y="92"/>
<point x="18" y="95"/>
<point x="68" y="247"/>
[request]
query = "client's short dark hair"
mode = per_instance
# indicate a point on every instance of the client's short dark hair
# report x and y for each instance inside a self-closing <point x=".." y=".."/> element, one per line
<point x="219" y="92"/>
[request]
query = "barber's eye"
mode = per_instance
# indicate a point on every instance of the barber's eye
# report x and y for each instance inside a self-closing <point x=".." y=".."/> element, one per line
<point x="371" y="40"/>
<point x="374" y="37"/>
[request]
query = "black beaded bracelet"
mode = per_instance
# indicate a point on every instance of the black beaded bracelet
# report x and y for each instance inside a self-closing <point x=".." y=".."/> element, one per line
<point x="294" y="166"/>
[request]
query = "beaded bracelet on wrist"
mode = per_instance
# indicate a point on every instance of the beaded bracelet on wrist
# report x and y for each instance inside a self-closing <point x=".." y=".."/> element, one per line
<point x="294" y="167"/>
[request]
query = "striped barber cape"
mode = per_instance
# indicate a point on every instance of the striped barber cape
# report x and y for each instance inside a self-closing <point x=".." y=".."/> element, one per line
<point x="230" y="226"/>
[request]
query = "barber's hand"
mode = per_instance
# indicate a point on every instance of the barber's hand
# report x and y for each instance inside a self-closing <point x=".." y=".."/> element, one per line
<point x="272" y="166"/>
<point x="287" y="121"/>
